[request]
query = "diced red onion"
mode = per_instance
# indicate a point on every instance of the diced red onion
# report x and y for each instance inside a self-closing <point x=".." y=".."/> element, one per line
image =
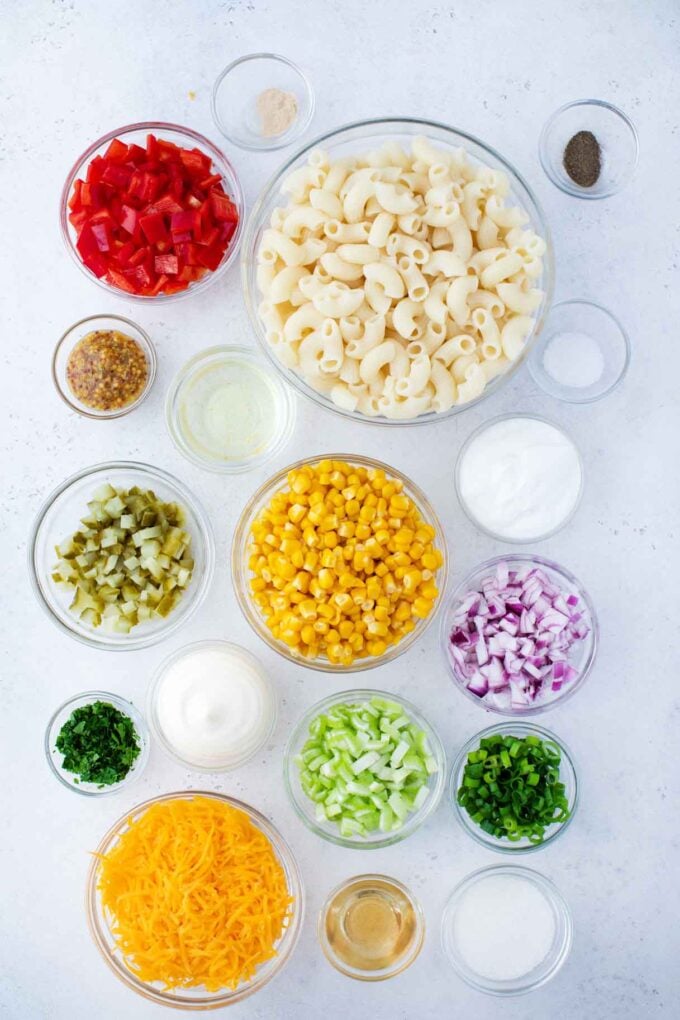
<point x="511" y="640"/>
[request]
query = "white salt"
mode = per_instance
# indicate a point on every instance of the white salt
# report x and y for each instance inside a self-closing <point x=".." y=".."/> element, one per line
<point x="504" y="927"/>
<point x="573" y="359"/>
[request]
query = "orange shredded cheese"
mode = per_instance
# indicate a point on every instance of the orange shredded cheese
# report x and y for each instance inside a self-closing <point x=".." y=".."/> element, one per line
<point x="195" y="895"/>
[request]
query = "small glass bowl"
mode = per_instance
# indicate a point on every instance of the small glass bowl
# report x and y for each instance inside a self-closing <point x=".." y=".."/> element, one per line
<point x="547" y="969"/>
<point x="241" y="574"/>
<point x="613" y="130"/>
<point x="357" y="139"/>
<point x="582" y="655"/>
<point x="305" y="807"/>
<point x="74" y="335"/>
<point x="468" y="512"/>
<point x="567" y="776"/>
<point x="235" y="94"/>
<point x="55" y="757"/>
<point x="583" y="317"/>
<point x="59" y="517"/>
<point x="392" y="890"/>
<point x="194" y="999"/>
<point x="283" y="408"/>
<point x="269" y="709"/>
<point x="185" y="138"/>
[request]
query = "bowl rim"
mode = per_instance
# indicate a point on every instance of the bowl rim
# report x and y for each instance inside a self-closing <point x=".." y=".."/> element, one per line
<point x="542" y="378"/>
<point x="211" y="1000"/>
<point x="217" y="157"/>
<point x="593" y="637"/>
<point x="272" y="185"/>
<point x="229" y="352"/>
<point x="568" y="187"/>
<point x="204" y="529"/>
<point x="241" y="534"/>
<point x="146" y="345"/>
<point x="403" y="962"/>
<point x="279" y="141"/>
<point x="126" y="708"/>
<point x="414" y="821"/>
<point x="558" y="904"/>
<point x="152" y="697"/>
<point x="490" y="423"/>
<point x="493" y="842"/>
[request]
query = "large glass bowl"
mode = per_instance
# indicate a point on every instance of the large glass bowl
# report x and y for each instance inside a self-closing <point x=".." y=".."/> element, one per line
<point x="305" y="808"/>
<point x="582" y="653"/>
<point x="186" y="138"/>
<point x="60" y="516"/>
<point x="568" y="776"/>
<point x="362" y="137"/>
<point x="195" y="999"/>
<point x="241" y="574"/>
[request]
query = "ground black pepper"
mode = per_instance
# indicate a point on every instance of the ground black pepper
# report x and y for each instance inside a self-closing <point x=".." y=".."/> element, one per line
<point x="583" y="159"/>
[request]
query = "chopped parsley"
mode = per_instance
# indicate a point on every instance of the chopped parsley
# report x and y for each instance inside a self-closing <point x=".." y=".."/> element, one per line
<point x="99" y="744"/>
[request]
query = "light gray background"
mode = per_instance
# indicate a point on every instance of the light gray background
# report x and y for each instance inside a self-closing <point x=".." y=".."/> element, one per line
<point x="75" y="70"/>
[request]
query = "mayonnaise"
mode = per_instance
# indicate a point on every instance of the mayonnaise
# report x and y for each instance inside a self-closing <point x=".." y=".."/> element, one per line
<point x="212" y="705"/>
<point x="520" y="478"/>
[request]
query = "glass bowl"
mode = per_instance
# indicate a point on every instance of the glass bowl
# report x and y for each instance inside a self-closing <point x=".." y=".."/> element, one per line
<point x="195" y="999"/>
<point x="55" y="758"/>
<point x="305" y="807"/>
<point x="181" y="136"/>
<point x="581" y="320"/>
<point x="59" y="517"/>
<point x="567" y="776"/>
<point x="518" y="415"/>
<point x="235" y="94"/>
<point x="241" y="574"/>
<point x="582" y="654"/>
<point x="547" y="969"/>
<point x="269" y="708"/>
<point x="73" y="335"/>
<point x="189" y="378"/>
<point x="399" y="899"/>
<point x="360" y="138"/>
<point x="613" y="130"/>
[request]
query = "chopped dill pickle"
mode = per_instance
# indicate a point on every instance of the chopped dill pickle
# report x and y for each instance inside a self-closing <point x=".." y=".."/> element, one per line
<point x="130" y="561"/>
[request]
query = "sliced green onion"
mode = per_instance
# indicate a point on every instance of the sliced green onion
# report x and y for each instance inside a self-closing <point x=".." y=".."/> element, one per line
<point x="511" y="787"/>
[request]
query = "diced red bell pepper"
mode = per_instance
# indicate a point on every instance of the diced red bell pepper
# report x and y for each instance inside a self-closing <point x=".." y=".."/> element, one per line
<point x="222" y="207"/>
<point x="227" y="230"/>
<point x="89" y="252"/>
<point x="168" y="264"/>
<point x="211" y="256"/>
<point x="151" y="219"/>
<point x="129" y="219"/>
<point x="117" y="151"/>
<point x="102" y="235"/>
<point x="118" y="279"/>
<point x="153" y="227"/>
<point x="165" y="204"/>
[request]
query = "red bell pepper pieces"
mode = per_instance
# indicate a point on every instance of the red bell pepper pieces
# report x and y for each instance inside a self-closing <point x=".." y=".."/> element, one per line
<point x="151" y="219"/>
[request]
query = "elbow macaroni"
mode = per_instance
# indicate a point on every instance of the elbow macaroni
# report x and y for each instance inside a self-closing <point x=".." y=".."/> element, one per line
<point x="398" y="283"/>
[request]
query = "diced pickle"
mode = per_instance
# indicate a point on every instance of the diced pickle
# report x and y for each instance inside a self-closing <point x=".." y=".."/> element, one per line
<point x="129" y="561"/>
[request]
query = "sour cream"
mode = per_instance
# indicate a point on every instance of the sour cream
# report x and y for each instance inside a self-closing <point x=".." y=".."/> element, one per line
<point x="520" y="478"/>
<point x="212" y="705"/>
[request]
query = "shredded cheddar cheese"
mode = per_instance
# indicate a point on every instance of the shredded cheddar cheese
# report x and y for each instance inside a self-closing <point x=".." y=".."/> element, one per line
<point x="195" y="895"/>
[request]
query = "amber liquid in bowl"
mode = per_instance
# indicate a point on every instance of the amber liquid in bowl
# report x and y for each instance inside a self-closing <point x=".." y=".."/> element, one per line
<point x="371" y="925"/>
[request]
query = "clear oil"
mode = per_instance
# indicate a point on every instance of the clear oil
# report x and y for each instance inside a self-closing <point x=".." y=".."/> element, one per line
<point x="371" y="924"/>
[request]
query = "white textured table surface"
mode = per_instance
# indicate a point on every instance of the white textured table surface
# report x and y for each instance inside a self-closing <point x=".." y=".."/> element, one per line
<point x="74" y="70"/>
